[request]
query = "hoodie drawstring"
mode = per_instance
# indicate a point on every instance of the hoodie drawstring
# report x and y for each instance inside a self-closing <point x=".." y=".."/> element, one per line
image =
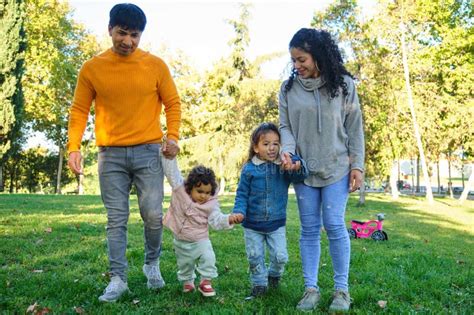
<point x="318" y="106"/>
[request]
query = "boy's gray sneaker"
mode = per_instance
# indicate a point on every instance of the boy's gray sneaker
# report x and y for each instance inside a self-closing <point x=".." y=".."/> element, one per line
<point x="114" y="290"/>
<point x="310" y="300"/>
<point x="257" y="291"/>
<point x="273" y="282"/>
<point x="153" y="274"/>
<point x="341" y="301"/>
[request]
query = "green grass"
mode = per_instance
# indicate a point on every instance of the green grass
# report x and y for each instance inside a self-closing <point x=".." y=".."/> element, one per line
<point x="425" y="267"/>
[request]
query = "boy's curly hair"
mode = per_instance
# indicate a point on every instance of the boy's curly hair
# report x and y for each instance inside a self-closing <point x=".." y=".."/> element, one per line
<point x="325" y="52"/>
<point x="200" y="175"/>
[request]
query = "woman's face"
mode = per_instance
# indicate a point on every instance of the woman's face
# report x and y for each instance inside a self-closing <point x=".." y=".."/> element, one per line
<point x="304" y="63"/>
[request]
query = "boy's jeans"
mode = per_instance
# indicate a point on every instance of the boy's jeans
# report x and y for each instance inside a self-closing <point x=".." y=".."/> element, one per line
<point x="318" y="205"/>
<point x="255" y="247"/>
<point x="119" y="167"/>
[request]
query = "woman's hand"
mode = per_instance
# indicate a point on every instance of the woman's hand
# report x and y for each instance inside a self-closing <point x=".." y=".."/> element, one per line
<point x="355" y="180"/>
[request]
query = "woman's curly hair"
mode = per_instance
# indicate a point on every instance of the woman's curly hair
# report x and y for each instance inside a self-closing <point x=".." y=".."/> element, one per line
<point x="200" y="175"/>
<point x="320" y="45"/>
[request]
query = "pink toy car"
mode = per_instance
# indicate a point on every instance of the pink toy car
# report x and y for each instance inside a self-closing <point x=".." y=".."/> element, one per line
<point x="372" y="229"/>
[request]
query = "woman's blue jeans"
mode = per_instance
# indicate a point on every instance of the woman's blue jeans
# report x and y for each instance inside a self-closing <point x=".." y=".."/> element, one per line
<point x="326" y="206"/>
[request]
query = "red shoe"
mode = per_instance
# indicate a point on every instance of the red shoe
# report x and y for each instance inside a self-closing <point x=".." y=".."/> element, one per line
<point x="206" y="289"/>
<point x="188" y="287"/>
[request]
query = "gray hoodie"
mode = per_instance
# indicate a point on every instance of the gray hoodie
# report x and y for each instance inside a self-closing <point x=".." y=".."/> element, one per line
<point x="327" y="133"/>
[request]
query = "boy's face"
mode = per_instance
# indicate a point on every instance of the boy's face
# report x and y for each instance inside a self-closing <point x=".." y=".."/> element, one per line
<point x="124" y="42"/>
<point x="201" y="193"/>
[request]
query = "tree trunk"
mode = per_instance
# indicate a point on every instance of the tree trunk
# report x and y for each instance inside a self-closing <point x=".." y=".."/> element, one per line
<point x="417" y="174"/>
<point x="439" y="179"/>
<point x="1" y="179"/>
<point x="393" y="180"/>
<point x="60" y="169"/>
<point x="362" y="192"/>
<point x="467" y="188"/>
<point x="429" y="193"/>
<point x="450" y="183"/>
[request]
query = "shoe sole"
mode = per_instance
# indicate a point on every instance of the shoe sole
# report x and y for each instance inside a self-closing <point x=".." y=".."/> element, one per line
<point x="114" y="300"/>
<point x="207" y="294"/>
<point x="155" y="287"/>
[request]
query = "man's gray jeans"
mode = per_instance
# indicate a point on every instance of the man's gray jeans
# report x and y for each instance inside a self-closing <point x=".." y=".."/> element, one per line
<point x="119" y="168"/>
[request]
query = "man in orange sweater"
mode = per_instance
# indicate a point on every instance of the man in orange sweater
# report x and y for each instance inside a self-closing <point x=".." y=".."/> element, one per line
<point x="128" y="87"/>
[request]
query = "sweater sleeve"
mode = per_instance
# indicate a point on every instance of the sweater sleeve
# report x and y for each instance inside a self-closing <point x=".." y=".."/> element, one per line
<point x="354" y="128"/>
<point x="288" y="143"/>
<point x="170" y="98"/>
<point x="79" y="111"/>
<point x="171" y="171"/>
<point x="219" y="221"/>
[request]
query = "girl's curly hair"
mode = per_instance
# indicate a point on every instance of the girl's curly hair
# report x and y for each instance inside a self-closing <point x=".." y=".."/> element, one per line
<point x="200" y="175"/>
<point x="326" y="54"/>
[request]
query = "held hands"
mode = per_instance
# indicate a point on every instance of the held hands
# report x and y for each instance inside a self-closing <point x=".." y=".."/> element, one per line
<point x="170" y="149"/>
<point x="287" y="164"/>
<point x="355" y="180"/>
<point x="74" y="162"/>
<point x="236" y="218"/>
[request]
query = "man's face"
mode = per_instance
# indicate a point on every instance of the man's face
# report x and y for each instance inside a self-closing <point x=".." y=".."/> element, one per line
<point x="124" y="42"/>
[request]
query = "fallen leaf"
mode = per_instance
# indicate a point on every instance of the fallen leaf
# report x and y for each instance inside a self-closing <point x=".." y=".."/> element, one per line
<point x="364" y="249"/>
<point x="39" y="241"/>
<point x="382" y="304"/>
<point x="426" y="241"/>
<point x="79" y="310"/>
<point x="48" y="230"/>
<point x="38" y="271"/>
<point x="226" y="268"/>
<point x="76" y="280"/>
<point x="31" y="308"/>
<point x="322" y="265"/>
<point x="460" y="262"/>
<point x="8" y="284"/>
<point x="136" y="301"/>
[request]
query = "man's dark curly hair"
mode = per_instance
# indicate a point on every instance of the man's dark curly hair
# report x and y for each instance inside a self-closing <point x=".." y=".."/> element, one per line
<point x="327" y="56"/>
<point x="200" y="175"/>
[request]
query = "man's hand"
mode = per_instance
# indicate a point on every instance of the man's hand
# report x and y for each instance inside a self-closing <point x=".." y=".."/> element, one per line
<point x="74" y="162"/>
<point x="355" y="180"/>
<point x="170" y="149"/>
<point x="287" y="164"/>
<point x="236" y="218"/>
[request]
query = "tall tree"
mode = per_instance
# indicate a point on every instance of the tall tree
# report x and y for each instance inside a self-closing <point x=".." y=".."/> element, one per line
<point x="12" y="37"/>
<point x="57" y="47"/>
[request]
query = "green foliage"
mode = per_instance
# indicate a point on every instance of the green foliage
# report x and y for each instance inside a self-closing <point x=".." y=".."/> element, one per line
<point x="33" y="170"/>
<point x="54" y="253"/>
<point x="11" y="68"/>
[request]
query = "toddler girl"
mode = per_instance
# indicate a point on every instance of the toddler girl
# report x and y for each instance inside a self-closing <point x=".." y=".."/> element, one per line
<point x="193" y="208"/>
<point x="262" y="196"/>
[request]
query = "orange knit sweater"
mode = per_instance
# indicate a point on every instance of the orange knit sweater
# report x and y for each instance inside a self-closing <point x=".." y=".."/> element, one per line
<point x="128" y="93"/>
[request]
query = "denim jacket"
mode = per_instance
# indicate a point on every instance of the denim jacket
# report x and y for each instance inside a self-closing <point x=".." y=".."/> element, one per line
<point x="262" y="193"/>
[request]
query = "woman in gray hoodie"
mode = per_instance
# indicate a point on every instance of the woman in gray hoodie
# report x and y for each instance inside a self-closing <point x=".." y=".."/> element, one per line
<point x="321" y="121"/>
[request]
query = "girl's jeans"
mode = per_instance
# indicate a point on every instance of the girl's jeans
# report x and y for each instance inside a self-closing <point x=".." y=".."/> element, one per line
<point x="317" y="206"/>
<point x="119" y="168"/>
<point x="255" y="247"/>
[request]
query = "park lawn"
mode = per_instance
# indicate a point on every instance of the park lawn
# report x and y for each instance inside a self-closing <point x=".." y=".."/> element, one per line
<point x="53" y="253"/>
